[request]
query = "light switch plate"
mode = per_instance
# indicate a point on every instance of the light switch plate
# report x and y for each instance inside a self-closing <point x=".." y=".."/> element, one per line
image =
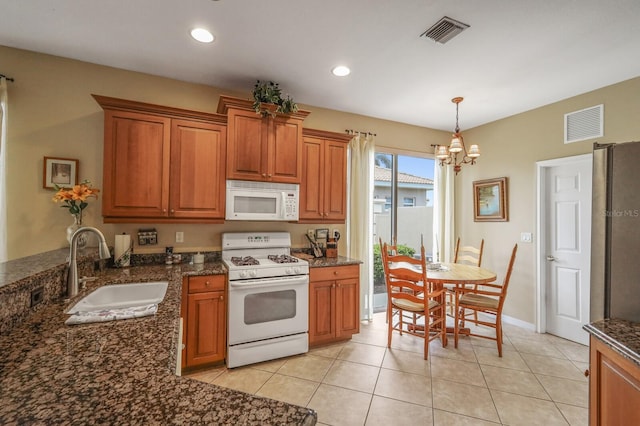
<point x="526" y="237"/>
<point x="179" y="237"/>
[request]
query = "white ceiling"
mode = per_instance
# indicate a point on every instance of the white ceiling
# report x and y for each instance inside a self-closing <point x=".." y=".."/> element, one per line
<point x="517" y="54"/>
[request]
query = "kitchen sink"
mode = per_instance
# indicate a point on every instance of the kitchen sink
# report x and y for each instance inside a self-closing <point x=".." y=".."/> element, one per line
<point x="119" y="296"/>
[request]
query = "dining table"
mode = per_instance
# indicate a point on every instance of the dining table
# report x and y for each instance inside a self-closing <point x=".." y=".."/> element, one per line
<point x="457" y="274"/>
<point x="460" y="276"/>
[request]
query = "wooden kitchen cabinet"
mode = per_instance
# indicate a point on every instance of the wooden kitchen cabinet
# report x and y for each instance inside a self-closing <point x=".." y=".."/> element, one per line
<point x="614" y="387"/>
<point x="162" y="164"/>
<point x="323" y="190"/>
<point x="204" y="320"/>
<point x="262" y="148"/>
<point x="334" y="303"/>
<point x="197" y="170"/>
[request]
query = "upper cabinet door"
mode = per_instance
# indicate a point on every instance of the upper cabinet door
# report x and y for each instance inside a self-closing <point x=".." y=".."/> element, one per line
<point x="312" y="187"/>
<point x="198" y="158"/>
<point x="335" y="180"/>
<point x="246" y="146"/>
<point x="323" y="191"/>
<point x="285" y="150"/>
<point x="136" y="164"/>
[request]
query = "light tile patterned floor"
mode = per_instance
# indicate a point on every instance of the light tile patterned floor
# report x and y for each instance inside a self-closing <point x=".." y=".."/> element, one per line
<point x="538" y="381"/>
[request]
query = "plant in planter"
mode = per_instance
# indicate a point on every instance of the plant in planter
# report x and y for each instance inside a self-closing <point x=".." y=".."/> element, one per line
<point x="270" y="93"/>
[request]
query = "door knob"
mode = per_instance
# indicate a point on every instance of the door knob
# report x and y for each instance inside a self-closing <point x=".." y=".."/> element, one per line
<point x="551" y="258"/>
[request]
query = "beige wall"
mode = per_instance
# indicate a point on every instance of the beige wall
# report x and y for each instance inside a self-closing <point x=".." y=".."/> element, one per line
<point x="511" y="147"/>
<point x="51" y="113"/>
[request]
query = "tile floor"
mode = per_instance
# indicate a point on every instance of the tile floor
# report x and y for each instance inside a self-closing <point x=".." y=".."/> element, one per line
<point x="538" y="381"/>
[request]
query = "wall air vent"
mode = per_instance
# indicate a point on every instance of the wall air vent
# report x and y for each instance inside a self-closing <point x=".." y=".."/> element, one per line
<point x="584" y="124"/>
<point x="444" y="30"/>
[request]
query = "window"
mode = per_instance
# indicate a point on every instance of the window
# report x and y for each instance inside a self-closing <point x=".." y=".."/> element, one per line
<point x="409" y="202"/>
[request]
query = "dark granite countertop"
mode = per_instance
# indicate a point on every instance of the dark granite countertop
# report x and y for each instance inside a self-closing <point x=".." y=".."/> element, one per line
<point x="119" y="372"/>
<point x="322" y="262"/>
<point x="622" y="336"/>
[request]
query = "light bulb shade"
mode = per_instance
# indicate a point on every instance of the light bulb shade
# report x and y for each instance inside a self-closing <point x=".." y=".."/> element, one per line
<point x="456" y="145"/>
<point x="474" y="151"/>
<point x="441" y="152"/>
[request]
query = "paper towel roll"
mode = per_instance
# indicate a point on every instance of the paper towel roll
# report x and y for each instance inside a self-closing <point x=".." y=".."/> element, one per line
<point x="122" y="250"/>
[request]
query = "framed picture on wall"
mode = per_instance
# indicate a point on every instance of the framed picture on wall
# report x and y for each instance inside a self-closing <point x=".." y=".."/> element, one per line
<point x="490" y="200"/>
<point x="59" y="171"/>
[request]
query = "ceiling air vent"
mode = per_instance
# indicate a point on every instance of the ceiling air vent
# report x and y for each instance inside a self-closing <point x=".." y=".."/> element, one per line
<point x="444" y="30"/>
<point x="584" y="124"/>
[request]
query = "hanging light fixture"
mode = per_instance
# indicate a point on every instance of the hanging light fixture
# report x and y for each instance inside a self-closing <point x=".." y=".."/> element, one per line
<point x="450" y="155"/>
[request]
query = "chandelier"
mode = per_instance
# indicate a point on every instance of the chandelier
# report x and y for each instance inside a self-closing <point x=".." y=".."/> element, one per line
<point x="450" y="155"/>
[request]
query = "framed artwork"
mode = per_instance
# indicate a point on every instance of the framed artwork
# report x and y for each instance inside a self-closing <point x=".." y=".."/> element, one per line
<point x="59" y="171"/>
<point x="490" y="200"/>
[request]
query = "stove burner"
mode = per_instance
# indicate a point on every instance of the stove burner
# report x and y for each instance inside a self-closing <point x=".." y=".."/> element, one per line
<point x="244" y="261"/>
<point x="282" y="258"/>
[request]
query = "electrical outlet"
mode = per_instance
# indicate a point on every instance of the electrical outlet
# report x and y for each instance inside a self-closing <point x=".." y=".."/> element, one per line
<point x="179" y="237"/>
<point x="37" y="296"/>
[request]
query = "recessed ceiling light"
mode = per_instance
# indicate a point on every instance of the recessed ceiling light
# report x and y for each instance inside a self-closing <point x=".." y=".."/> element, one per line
<point x="202" y="35"/>
<point x="341" y="71"/>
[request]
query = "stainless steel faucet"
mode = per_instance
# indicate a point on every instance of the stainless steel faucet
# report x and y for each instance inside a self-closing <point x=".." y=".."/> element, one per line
<point x="72" y="277"/>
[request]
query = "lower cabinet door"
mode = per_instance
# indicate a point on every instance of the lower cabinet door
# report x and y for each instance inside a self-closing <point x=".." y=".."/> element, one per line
<point x="322" y="326"/>
<point x="347" y="308"/>
<point x="614" y="387"/>
<point x="206" y="328"/>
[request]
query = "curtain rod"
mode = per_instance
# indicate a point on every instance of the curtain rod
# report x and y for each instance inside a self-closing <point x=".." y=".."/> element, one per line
<point x="8" y="78"/>
<point x="351" y="132"/>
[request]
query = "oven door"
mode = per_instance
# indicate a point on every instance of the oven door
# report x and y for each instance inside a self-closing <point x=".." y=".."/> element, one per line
<point x="268" y="307"/>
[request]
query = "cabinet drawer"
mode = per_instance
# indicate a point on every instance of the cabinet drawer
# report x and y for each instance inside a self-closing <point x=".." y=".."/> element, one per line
<point x="334" y="273"/>
<point x="206" y="283"/>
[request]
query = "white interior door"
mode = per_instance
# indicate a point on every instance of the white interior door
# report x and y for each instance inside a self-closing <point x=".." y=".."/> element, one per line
<point x="566" y="252"/>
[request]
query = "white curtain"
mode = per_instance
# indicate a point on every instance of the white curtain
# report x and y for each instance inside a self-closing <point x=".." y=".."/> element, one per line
<point x="360" y="222"/>
<point x="443" y="214"/>
<point x="3" y="175"/>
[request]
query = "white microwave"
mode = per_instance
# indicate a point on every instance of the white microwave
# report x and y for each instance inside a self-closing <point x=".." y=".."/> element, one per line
<point x="248" y="200"/>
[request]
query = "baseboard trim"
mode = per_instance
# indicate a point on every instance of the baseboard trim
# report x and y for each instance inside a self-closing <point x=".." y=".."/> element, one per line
<point x="517" y="322"/>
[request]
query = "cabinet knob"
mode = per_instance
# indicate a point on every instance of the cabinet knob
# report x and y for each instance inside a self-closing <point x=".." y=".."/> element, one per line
<point x="207" y="283"/>
<point x="335" y="272"/>
<point x="172" y="211"/>
<point x="269" y="175"/>
<point x="164" y="210"/>
<point x="586" y="373"/>
<point x="264" y="175"/>
<point x="333" y="286"/>
<point x="221" y="298"/>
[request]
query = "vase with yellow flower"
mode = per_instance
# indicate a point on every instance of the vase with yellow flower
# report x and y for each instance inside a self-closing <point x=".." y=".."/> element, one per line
<point x="76" y="200"/>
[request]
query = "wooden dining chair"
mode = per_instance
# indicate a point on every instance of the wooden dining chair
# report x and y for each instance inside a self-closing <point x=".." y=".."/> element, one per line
<point x="487" y="299"/>
<point x="468" y="255"/>
<point x="409" y="291"/>
<point x="465" y="255"/>
<point x="391" y="248"/>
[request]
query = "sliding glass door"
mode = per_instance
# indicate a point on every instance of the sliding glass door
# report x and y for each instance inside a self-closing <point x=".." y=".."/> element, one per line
<point x="402" y="211"/>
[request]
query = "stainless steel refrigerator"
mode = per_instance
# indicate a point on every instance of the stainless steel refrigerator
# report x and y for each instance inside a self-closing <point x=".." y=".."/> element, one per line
<point x="615" y="232"/>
